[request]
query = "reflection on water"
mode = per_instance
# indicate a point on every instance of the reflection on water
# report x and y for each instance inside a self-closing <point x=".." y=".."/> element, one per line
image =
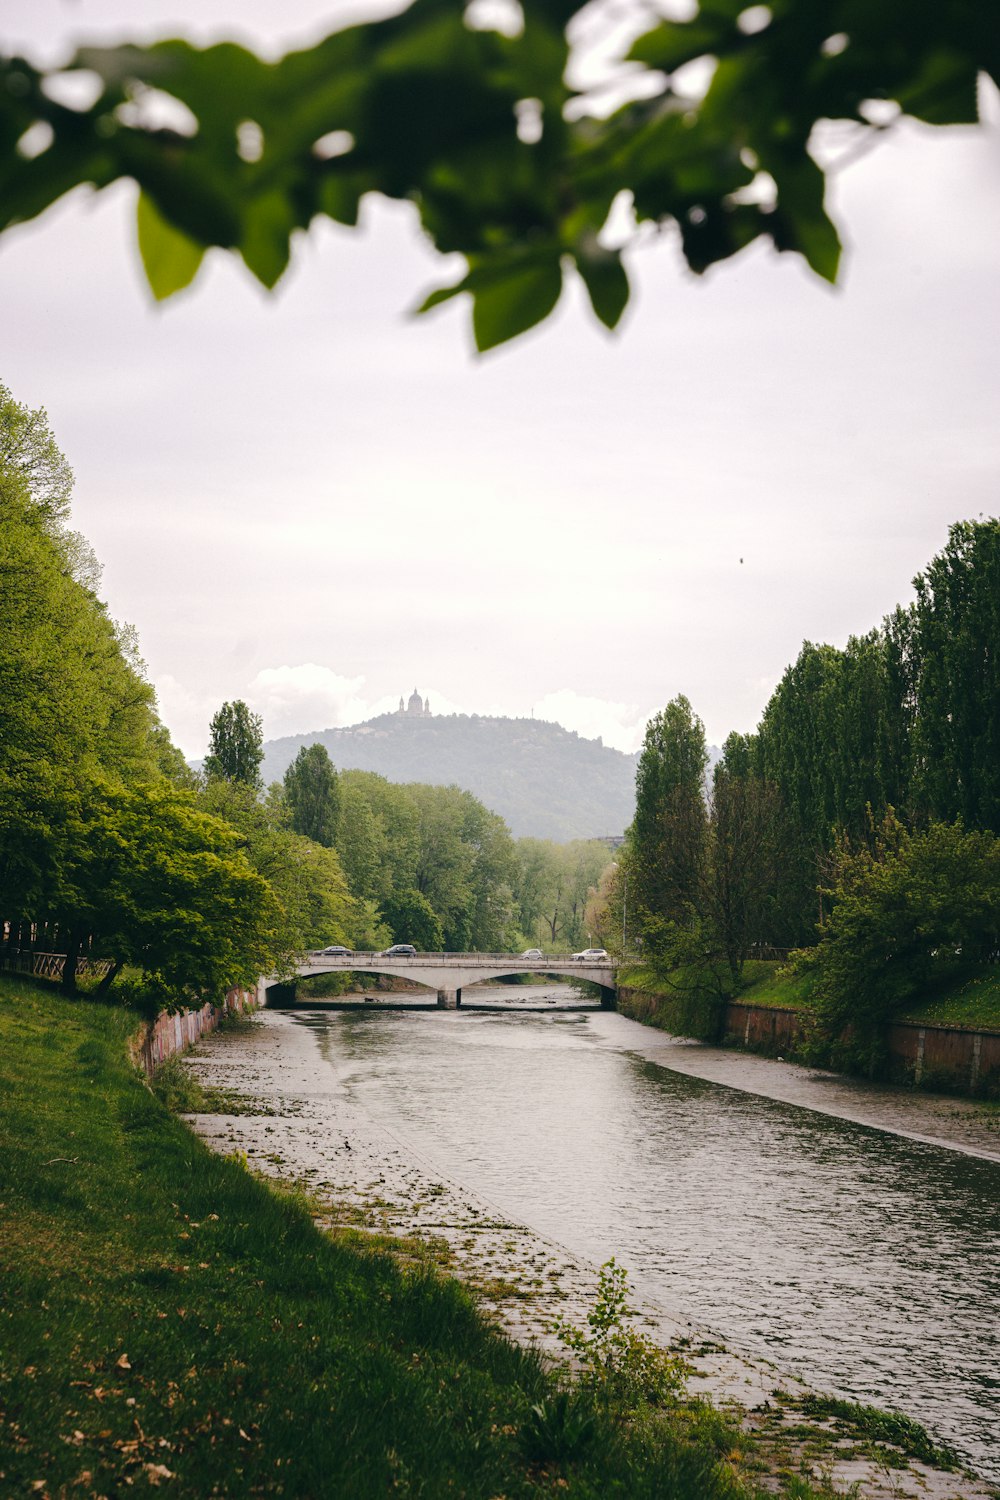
<point x="865" y="1262"/>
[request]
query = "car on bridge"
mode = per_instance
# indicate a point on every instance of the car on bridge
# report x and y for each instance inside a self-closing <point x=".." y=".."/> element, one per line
<point x="532" y="953"/>
<point x="335" y="950"/>
<point x="591" y="955"/>
<point x="399" y="950"/>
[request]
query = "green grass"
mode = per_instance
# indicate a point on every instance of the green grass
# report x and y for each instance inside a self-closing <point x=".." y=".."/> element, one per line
<point x="769" y="986"/>
<point x="688" y="1002"/>
<point x="164" y="1313"/>
<point x="969" y="999"/>
<point x="879" y="1429"/>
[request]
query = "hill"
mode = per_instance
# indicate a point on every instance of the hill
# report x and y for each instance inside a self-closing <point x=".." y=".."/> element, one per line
<point x="545" y="781"/>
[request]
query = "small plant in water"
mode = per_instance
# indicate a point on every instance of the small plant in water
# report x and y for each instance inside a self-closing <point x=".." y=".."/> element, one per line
<point x="619" y="1363"/>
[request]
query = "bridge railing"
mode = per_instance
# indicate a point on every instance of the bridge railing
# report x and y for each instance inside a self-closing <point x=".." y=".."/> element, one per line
<point x="458" y="958"/>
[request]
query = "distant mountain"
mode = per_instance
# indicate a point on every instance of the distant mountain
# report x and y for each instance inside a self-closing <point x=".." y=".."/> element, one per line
<point x="543" y="780"/>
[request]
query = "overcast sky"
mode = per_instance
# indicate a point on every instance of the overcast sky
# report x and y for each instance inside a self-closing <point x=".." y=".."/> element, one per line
<point x="316" y="503"/>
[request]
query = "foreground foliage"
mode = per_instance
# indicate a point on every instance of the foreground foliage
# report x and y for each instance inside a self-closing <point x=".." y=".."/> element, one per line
<point x="164" y="1316"/>
<point x="495" y="122"/>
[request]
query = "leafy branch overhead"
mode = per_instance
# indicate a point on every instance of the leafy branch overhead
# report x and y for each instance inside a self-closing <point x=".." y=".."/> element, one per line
<point x="510" y="160"/>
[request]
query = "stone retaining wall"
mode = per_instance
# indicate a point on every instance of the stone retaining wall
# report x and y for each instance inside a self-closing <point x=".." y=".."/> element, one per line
<point x="171" y="1033"/>
<point x="762" y="1028"/>
<point x="948" y="1058"/>
<point x="966" y="1062"/>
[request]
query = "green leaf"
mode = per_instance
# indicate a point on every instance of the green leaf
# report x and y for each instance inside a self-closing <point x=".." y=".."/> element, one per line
<point x="515" y="303"/>
<point x="606" y="282"/>
<point x="268" y="222"/>
<point x="673" y="43"/>
<point x="442" y="294"/>
<point x="944" y="92"/>
<point x="801" y="221"/>
<point x="170" y="259"/>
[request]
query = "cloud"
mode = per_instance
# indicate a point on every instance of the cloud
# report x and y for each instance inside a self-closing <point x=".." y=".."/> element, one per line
<point x="297" y="700"/>
<point x="618" y="724"/>
<point x="185" y="714"/>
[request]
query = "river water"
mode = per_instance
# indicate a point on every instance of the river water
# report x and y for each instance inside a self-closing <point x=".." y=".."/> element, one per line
<point x="865" y="1262"/>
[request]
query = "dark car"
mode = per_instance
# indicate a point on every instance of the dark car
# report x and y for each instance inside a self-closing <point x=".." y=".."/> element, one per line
<point x="399" y="950"/>
<point x="335" y="950"/>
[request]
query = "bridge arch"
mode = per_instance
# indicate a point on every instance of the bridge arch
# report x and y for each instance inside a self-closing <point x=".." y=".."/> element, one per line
<point x="450" y="973"/>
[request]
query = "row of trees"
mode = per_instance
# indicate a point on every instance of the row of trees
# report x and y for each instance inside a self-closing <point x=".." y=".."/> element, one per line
<point x="900" y="729"/>
<point x="102" y="843"/>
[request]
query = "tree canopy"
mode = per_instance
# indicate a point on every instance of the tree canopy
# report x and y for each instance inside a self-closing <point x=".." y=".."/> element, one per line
<point x="900" y="722"/>
<point x="512" y="127"/>
<point x="312" y="794"/>
<point x="236" y="741"/>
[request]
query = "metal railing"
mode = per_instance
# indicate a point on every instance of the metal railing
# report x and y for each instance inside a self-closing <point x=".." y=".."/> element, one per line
<point x="51" y="965"/>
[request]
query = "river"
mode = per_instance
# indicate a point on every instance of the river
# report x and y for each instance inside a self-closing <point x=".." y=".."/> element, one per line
<point x="864" y="1261"/>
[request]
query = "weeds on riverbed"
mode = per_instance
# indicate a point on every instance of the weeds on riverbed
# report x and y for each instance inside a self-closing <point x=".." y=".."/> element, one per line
<point x="180" y="1091"/>
<point x="866" y="1424"/>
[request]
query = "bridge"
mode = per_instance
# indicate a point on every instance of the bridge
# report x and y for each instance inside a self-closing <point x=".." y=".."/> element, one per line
<point x="450" y="973"/>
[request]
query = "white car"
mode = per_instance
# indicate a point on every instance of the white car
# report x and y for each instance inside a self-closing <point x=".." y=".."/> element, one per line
<point x="532" y="953"/>
<point x="590" y="954"/>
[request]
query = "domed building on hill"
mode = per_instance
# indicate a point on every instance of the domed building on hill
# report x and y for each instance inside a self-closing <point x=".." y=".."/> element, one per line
<point x="416" y="707"/>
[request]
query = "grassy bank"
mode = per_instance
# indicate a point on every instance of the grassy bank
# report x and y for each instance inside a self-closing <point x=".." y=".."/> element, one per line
<point x="166" y="1318"/>
<point x="686" y="1002"/>
<point x="690" y="1001"/>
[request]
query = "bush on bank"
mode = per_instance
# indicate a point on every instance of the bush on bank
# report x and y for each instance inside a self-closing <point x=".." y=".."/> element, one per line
<point x="165" y="1317"/>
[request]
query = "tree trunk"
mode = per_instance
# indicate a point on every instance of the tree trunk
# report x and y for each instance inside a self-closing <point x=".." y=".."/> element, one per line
<point x="109" y="978"/>
<point x="68" y="985"/>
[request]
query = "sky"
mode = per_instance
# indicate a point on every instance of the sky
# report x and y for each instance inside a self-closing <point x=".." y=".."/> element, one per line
<point x="316" y="502"/>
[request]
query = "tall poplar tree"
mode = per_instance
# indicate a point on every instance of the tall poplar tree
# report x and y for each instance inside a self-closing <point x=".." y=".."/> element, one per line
<point x="957" y="632"/>
<point x="236" y="745"/>
<point x="668" y="835"/>
<point x="312" y="795"/>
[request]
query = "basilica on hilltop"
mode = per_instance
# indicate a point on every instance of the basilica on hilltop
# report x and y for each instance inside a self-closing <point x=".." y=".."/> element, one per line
<point x="416" y="707"/>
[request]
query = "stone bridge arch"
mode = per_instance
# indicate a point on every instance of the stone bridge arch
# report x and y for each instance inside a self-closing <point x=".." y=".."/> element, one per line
<point x="449" y="973"/>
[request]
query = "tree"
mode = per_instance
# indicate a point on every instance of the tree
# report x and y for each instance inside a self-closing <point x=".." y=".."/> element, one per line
<point x="29" y="455"/>
<point x="156" y="884"/>
<point x="743" y="871"/>
<point x="361" y="844"/>
<point x="236" y="745"/>
<point x="956" y="629"/>
<point x="308" y="880"/>
<point x="906" y="906"/>
<point x="73" y="707"/>
<point x="413" y="920"/>
<point x="668" y="835"/>
<point x="312" y="795"/>
<point x="478" y="124"/>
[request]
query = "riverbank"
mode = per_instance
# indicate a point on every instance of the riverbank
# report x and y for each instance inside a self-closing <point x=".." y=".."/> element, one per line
<point x="947" y="1042"/>
<point x="365" y="1180"/>
<point x="971" y="1126"/>
<point x="168" y="1320"/>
